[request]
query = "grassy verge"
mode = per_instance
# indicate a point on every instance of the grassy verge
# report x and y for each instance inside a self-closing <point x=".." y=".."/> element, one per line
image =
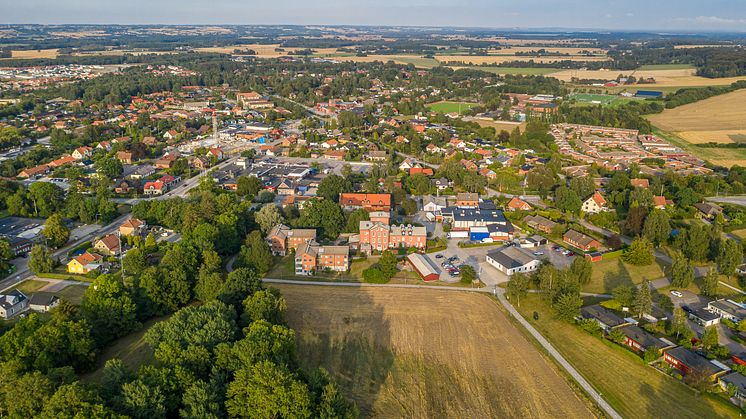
<point x="626" y="382"/>
<point x="65" y="276"/>
<point x="30" y="286"/>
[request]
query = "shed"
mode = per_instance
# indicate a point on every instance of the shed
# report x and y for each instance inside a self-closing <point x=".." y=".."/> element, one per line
<point x="424" y="267"/>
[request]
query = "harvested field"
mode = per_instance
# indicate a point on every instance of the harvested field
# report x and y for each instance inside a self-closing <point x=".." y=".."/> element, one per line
<point x="425" y="353"/>
<point x="34" y="53"/>
<point x="416" y="60"/>
<point x="719" y="113"/>
<point x="681" y="77"/>
<point x="726" y="157"/>
<point x="524" y="71"/>
<point x="498" y="125"/>
<point x="718" y="136"/>
<point x="550" y="50"/>
<point x="499" y="59"/>
<point x="262" y="50"/>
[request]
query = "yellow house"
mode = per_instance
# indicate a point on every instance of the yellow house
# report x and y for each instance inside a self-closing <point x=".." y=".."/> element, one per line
<point x="84" y="263"/>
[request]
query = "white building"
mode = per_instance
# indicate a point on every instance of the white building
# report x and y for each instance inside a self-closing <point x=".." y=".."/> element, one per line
<point x="513" y="259"/>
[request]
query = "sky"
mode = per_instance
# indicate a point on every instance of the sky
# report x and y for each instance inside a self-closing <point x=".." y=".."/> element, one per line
<point x="647" y="15"/>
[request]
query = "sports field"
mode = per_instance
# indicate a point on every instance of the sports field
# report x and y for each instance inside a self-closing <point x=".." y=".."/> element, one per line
<point x="598" y="99"/>
<point x="634" y="389"/>
<point x="451" y="107"/>
<point x="422" y="353"/>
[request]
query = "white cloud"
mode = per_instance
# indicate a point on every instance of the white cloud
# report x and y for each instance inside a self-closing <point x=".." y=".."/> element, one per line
<point x="712" y="20"/>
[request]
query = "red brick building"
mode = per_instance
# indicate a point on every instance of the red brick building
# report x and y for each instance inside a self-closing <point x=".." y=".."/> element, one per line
<point x="367" y="201"/>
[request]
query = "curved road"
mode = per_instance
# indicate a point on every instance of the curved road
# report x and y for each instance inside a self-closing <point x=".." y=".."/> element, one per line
<point x="595" y="395"/>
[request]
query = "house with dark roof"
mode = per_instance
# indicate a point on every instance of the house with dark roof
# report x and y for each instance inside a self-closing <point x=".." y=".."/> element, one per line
<point x="727" y="309"/>
<point x="701" y="316"/>
<point x="43" y="302"/>
<point x="708" y="210"/>
<point x="737" y="382"/>
<point x="687" y="361"/>
<point x="12" y="303"/>
<point x="540" y="223"/>
<point x="605" y="318"/>
<point x="640" y="340"/>
<point x="580" y="241"/>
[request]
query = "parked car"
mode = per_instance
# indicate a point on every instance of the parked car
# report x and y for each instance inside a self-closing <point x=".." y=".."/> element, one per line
<point x="571" y="254"/>
<point x="676" y="293"/>
<point x="538" y="253"/>
<point x="439" y="256"/>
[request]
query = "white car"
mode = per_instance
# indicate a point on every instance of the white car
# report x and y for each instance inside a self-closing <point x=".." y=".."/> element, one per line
<point x="538" y="253"/>
<point x="676" y="293"/>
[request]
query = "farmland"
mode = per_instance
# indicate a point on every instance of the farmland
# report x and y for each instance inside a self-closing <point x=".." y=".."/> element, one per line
<point x="499" y="59"/>
<point x="425" y="353"/>
<point x="451" y="107"/>
<point x="631" y="387"/>
<point x="34" y="53"/>
<point x="524" y="71"/>
<point x="666" y="77"/>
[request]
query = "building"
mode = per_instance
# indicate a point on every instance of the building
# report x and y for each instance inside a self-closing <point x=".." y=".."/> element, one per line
<point x="154" y="188"/>
<point x="540" y="223"/>
<point x="424" y="267"/>
<point x="433" y="203"/>
<point x="43" y="302"/>
<point x="367" y="201"/>
<point x="660" y="202"/>
<point x="108" y="245"/>
<point x="701" y="316"/>
<point x="640" y="340"/>
<point x="640" y="183"/>
<point x="605" y="318"/>
<point x="378" y="236"/>
<point x="686" y="361"/>
<point x="132" y="227"/>
<point x="517" y="204"/>
<point x="84" y="263"/>
<point x="581" y="241"/>
<point x="513" y="259"/>
<point x="708" y="210"/>
<point x="282" y="238"/>
<point x="311" y="257"/>
<point x="12" y="303"/>
<point x="737" y="382"/>
<point x="594" y="204"/>
<point x="727" y="309"/>
<point x="465" y="218"/>
<point x="467" y="200"/>
<point x="125" y="157"/>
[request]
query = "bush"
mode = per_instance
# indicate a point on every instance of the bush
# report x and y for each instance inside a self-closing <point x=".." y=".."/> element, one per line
<point x="373" y="275"/>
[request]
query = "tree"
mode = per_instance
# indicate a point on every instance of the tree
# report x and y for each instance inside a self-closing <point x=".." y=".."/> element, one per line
<point x="582" y="269"/>
<point x="332" y="185"/>
<point x="657" y="227"/>
<point x="142" y="401"/>
<point x="46" y="198"/>
<point x="643" y="299"/>
<point x="680" y="324"/>
<point x="109" y="309"/>
<point x="729" y="256"/>
<point x="616" y="336"/>
<point x="710" y="338"/>
<point x="134" y="262"/>
<point x="204" y="236"/>
<point x="202" y="400"/>
<point x="41" y="260"/>
<point x="567" y="306"/>
<point x="248" y="186"/>
<point x="409" y="206"/>
<point x="6" y="253"/>
<point x="354" y="219"/>
<point x="255" y="253"/>
<point x="518" y="284"/>
<point x="207" y="326"/>
<point x="639" y="253"/>
<point x="710" y="284"/>
<point x="567" y="200"/>
<point x="266" y="305"/>
<point x="55" y="231"/>
<point x="150" y="244"/>
<point x="76" y="401"/>
<point x="109" y="167"/>
<point x="323" y="214"/>
<point x="633" y="224"/>
<point x="373" y="275"/>
<point x="624" y="294"/>
<point x="267" y="217"/>
<point x="239" y="284"/>
<point x="267" y="390"/>
<point x="468" y="274"/>
<point x="682" y="273"/>
<point x="168" y="289"/>
<point x="388" y="263"/>
<point x="651" y="354"/>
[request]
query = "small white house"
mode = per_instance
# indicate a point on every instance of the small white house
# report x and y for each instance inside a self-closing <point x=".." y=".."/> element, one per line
<point x="12" y="303"/>
<point x="43" y="302"/>
<point x="513" y="259"/>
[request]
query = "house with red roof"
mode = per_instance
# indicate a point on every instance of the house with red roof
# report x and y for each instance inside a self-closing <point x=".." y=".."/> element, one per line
<point x="594" y="204"/>
<point x="517" y="204"/>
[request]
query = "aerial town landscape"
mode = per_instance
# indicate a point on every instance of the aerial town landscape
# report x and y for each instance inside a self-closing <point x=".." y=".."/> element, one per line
<point x="372" y="220"/>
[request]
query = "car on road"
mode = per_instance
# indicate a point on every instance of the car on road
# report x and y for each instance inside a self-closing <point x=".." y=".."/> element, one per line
<point x="439" y="256"/>
<point x="571" y="254"/>
<point x="538" y="253"/>
<point x="676" y="293"/>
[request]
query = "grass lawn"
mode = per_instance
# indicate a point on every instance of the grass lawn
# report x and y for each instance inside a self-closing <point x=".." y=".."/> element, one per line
<point x="612" y="272"/>
<point x="631" y="387"/>
<point x="595" y="99"/>
<point x="72" y="293"/>
<point x="525" y="71"/>
<point x="450" y="107"/>
<point x="131" y="349"/>
<point x="30" y="286"/>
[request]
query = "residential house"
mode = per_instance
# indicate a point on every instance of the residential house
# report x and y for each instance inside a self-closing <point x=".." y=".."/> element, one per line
<point x="33" y="172"/>
<point x="640" y="340"/>
<point x="108" y="245"/>
<point x="701" y="316"/>
<point x="441" y="184"/>
<point x="581" y="241"/>
<point x="165" y="162"/>
<point x="605" y="318"/>
<point x="154" y="188"/>
<point x="43" y="302"/>
<point x="377" y="155"/>
<point x="367" y="201"/>
<point x="379" y="236"/>
<point x="12" y="303"/>
<point x="517" y="204"/>
<point x="540" y="223"/>
<point x="216" y="152"/>
<point x="594" y="204"/>
<point x="380" y="217"/>
<point x="282" y="238"/>
<point x="132" y="227"/>
<point x="434" y="203"/>
<point x="82" y="153"/>
<point x="727" y="309"/>
<point x="736" y="382"/>
<point x="84" y="263"/>
<point x="660" y="202"/>
<point x="125" y="157"/>
<point x="467" y="200"/>
<point x="513" y="259"/>
<point x="311" y="257"/>
<point x="688" y="361"/>
<point x="640" y="183"/>
<point x="465" y="218"/>
<point x="708" y="210"/>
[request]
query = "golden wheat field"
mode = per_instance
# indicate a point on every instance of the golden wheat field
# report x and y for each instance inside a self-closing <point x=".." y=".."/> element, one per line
<point x="720" y="113"/>
<point x="262" y="50"/>
<point x="495" y="59"/>
<point x="550" y="49"/>
<point x="34" y="53"/>
<point x="683" y="77"/>
<point x="422" y="353"/>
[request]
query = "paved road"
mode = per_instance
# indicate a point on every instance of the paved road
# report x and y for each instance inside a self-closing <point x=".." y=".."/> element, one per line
<point x="500" y="294"/>
<point x="733" y="199"/>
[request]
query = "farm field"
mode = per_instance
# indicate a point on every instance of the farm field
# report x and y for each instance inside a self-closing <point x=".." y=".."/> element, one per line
<point x="665" y="67"/>
<point x="450" y="107"/>
<point x="523" y="71"/>
<point x="549" y="49"/>
<point x="34" y="53"/>
<point x="499" y="59"/>
<point x="677" y="77"/>
<point x="416" y="60"/>
<point x="634" y="389"/>
<point x="612" y="272"/>
<point x="498" y="125"/>
<point x="262" y="50"/>
<point x="425" y="353"/>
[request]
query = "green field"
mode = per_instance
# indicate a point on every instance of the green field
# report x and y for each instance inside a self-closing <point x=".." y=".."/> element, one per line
<point x="451" y="107"/>
<point x="596" y="99"/>
<point x="524" y="71"/>
<point x="30" y="286"/>
<point x="72" y="293"/>
<point x="634" y="389"/>
<point x="613" y="272"/>
<point x="665" y="67"/>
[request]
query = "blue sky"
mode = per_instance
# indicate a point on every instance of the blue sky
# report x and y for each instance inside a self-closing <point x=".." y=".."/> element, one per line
<point x="688" y="15"/>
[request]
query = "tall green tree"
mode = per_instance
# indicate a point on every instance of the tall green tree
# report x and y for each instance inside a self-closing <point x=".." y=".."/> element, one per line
<point x="55" y="231"/>
<point x="41" y="260"/>
<point x="729" y="256"/>
<point x="267" y="390"/>
<point x="267" y="217"/>
<point x="109" y="309"/>
<point x="682" y="273"/>
<point x="256" y="254"/>
<point x="639" y="253"/>
<point x="643" y="299"/>
<point x="657" y="227"/>
<point x="710" y="284"/>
